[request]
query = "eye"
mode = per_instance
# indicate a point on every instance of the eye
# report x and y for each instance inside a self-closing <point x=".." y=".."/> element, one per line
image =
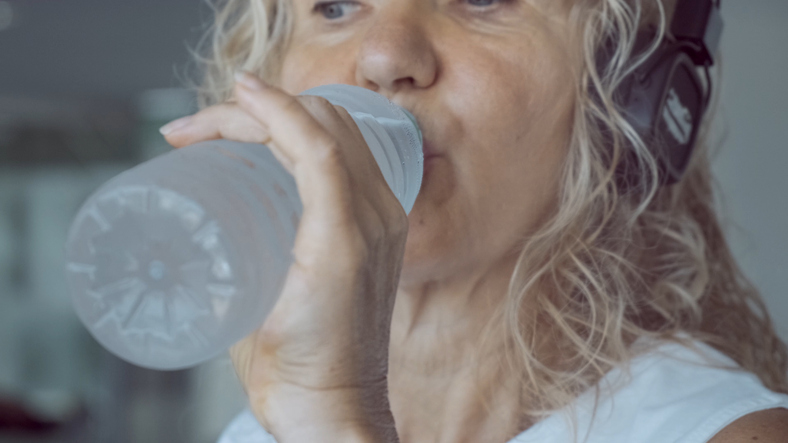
<point x="485" y="4"/>
<point x="332" y="10"/>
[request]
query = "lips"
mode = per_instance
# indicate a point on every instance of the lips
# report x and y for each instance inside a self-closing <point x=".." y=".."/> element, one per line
<point x="429" y="150"/>
<point x="427" y="147"/>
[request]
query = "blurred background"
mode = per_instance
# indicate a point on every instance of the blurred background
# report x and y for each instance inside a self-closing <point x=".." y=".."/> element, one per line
<point x="84" y="87"/>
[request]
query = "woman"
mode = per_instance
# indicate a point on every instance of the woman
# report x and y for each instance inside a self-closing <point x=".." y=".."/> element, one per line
<point x="524" y="287"/>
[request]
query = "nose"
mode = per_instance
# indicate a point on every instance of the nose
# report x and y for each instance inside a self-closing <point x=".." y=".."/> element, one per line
<point x="396" y="52"/>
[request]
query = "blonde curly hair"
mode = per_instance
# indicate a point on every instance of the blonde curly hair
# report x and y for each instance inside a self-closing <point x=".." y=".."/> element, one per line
<point x="609" y="267"/>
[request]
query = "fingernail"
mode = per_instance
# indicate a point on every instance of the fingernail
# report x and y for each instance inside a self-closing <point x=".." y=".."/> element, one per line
<point x="175" y="125"/>
<point x="249" y="81"/>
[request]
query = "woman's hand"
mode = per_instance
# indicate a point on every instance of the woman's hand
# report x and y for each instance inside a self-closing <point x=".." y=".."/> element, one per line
<point x="317" y="369"/>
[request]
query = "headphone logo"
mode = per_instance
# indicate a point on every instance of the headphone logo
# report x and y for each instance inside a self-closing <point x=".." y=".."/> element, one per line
<point x="677" y="117"/>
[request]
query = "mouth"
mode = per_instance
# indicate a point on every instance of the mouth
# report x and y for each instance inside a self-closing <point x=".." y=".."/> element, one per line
<point x="429" y="150"/>
<point x="427" y="147"/>
<point x="430" y="158"/>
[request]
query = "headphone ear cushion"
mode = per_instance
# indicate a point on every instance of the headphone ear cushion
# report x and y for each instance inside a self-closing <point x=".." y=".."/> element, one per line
<point x="664" y="101"/>
<point x="680" y="118"/>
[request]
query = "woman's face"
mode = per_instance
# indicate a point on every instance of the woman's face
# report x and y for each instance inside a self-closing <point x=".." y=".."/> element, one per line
<point x="491" y="84"/>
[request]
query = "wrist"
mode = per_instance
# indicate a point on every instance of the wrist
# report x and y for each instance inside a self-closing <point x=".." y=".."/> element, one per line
<point x="298" y="415"/>
<point x="340" y="432"/>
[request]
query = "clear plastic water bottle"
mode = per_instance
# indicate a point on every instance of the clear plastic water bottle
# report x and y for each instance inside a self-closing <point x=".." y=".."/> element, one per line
<point x="176" y="259"/>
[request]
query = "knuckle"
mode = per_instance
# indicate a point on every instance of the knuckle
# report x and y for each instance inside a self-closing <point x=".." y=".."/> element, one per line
<point x="375" y="228"/>
<point x="328" y="153"/>
<point x="319" y="100"/>
<point x="396" y="232"/>
<point x="393" y="215"/>
<point x="358" y="248"/>
<point x="291" y="105"/>
<point x="314" y="101"/>
<point x="272" y="334"/>
<point x="389" y="226"/>
<point x="219" y="112"/>
<point x="350" y="247"/>
<point x="396" y="225"/>
<point x="342" y="111"/>
<point x="399" y="222"/>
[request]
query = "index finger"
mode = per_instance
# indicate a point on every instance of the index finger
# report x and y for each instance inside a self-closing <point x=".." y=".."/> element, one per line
<point x="287" y="120"/>
<point x="318" y="166"/>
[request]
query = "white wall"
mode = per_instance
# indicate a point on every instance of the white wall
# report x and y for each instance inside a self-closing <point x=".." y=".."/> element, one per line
<point x="752" y="162"/>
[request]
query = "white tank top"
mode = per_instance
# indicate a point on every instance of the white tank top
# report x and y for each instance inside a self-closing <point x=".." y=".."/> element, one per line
<point x="672" y="394"/>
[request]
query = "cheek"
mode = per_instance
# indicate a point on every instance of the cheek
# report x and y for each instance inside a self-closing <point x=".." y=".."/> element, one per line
<point x="310" y="66"/>
<point x="530" y="157"/>
<point x="518" y="132"/>
<point x="516" y="187"/>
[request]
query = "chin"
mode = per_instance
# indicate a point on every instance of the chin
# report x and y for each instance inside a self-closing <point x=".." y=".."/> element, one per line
<point x="431" y="247"/>
<point x="425" y="259"/>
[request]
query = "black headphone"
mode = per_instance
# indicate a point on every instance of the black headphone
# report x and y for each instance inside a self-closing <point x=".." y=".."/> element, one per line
<point x="665" y="98"/>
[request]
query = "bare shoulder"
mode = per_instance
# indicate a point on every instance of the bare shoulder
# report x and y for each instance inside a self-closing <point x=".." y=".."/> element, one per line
<point x="767" y="426"/>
